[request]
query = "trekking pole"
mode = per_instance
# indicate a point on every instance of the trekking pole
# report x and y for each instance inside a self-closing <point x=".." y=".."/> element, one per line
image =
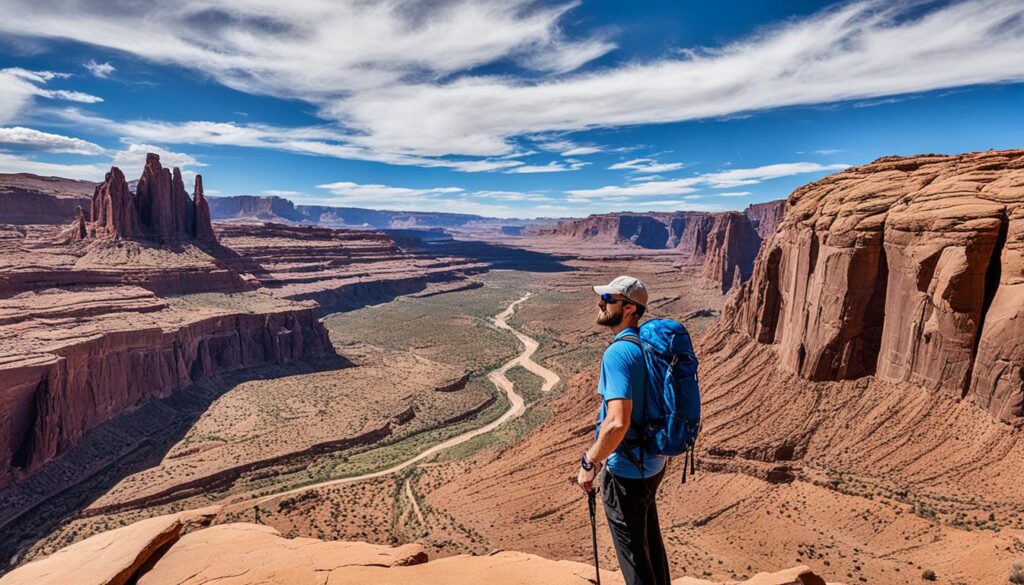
<point x="591" y="503"/>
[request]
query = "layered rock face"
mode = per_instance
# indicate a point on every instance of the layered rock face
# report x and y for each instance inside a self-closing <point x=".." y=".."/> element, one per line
<point x="158" y="551"/>
<point x="159" y="210"/>
<point x="254" y="207"/>
<point x="724" y="244"/>
<point x="249" y="207"/>
<point x="731" y="247"/>
<point x="27" y="199"/>
<point x="73" y="359"/>
<point x="906" y="268"/>
<point x="339" y="269"/>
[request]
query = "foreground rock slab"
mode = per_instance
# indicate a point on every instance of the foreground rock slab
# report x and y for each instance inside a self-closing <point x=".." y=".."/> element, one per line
<point x="153" y="552"/>
<point x="110" y="558"/>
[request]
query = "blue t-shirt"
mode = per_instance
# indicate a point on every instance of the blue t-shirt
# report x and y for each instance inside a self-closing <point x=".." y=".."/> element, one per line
<point x="624" y="376"/>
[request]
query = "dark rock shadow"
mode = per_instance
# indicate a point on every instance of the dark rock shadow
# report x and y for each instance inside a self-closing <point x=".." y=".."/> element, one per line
<point x="129" y="443"/>
<point x="497" y="256"/>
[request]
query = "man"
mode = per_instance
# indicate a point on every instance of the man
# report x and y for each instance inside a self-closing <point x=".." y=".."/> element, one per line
<point x="631" y="477"/>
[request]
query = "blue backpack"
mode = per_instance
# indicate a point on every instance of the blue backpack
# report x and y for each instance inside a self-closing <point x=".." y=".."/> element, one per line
<point x="670" y="410"/>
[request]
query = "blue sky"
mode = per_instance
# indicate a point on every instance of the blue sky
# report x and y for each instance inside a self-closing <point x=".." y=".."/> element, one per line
<point x="507" y="108"/>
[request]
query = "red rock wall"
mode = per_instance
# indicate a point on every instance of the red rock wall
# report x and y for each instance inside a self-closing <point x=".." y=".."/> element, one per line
<point x="906" y="268"/>
<point x="48" y="402"/>
<point x="732" y="246"/>
<point x="766" y="217"/>
<point x="27" y="199"/>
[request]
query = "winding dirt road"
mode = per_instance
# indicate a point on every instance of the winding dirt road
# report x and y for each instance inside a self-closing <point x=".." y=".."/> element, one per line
<point x="497" y="377"/>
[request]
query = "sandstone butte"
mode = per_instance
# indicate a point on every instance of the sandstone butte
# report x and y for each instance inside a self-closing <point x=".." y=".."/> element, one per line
<point x="139" y="298"/>
<point x="723" y="244"/>
<point x="180" y="549"/>
<point x="907" y="269"/>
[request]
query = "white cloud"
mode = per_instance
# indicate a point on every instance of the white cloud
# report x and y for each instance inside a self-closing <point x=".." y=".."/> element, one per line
<point x="581" y="151"/>
<point x="316" y="50"/>
<point x="828" y="151"/>
<point x="551" y="167"/>
<point x="132" y="160"/>
<point x="18" y="87"/>
<point x="285" y="194"/>
<point x="734" y="194"/>
<point x="719" y="180"/>
<point x="348" y="192"/>
<point x="859" y="50"/>
<point x="102" y="70"/>
<point x="512" y="196"/>
<point x="646" y="166"/>
<point x="313" y="140"/>
<point x="395" y="73"/>
<point x="10" y="163"/>
<point x="30" y="138"/>
<point x="446" y="199"/>
<point x="670" y="202"/>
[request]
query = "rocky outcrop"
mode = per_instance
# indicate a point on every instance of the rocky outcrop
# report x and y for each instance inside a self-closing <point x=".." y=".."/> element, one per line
<point x="202" y="228"/>
<point x="160" y="210"/>
<point x="732" y="246"/>
<point x="906" y="268"/>
<point x="27" y="199"/>
<point x="155" y="552"/>
<point x="724" y="244"/>
<point x="254" y="207"/>
<point x="766" y="217"/>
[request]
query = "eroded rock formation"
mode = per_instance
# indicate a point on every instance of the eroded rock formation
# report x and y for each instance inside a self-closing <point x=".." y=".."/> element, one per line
<point x="156" y="552"/>
<point x="906" y="268"/>
<point x="159" y="210"/>
<point x="724" y="244"/>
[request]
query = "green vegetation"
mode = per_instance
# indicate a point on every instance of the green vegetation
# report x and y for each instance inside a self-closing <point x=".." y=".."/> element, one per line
<point x="506" y="435"/>
<point x="450" y="328"/>
<point x="928" y="575"/>
<point x="1017" y="575"/>
<point x="527" y="384"/>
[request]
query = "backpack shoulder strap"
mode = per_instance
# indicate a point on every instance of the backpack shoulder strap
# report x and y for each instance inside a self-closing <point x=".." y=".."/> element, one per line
<point x="634" y="339"/>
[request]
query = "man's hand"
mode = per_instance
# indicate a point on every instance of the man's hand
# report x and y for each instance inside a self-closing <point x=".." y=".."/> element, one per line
<point x="585" y="479"/>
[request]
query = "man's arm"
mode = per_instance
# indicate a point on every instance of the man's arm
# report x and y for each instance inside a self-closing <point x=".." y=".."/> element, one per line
<point x="613" y="430"/>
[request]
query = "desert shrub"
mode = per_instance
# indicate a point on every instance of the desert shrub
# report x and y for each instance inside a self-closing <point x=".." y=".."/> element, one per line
<point x="1017" y="575"/>
<point x="928" y="575"/>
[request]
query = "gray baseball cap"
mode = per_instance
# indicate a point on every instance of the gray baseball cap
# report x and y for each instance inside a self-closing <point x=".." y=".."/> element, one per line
<point x="627" y="286"/>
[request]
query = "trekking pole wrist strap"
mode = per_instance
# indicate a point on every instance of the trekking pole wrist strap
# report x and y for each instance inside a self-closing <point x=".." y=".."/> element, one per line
<point x="585" y="463"/>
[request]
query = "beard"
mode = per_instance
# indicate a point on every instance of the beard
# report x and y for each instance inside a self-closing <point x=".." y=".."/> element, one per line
<point x="609" y="319"/>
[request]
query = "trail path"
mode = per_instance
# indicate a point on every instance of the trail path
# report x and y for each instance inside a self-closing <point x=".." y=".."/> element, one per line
<point x="497" y="377"/>
<point x="415" y="505"/>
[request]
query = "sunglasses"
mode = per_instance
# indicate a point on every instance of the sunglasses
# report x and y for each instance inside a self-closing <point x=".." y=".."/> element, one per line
<point x="610" y="300"/>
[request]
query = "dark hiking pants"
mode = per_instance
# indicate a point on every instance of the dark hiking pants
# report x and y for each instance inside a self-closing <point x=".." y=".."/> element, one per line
<point x="633" y="519"/>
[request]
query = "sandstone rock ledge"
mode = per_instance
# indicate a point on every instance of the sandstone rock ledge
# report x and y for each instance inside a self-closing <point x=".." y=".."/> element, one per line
<point x="155" y="552"/>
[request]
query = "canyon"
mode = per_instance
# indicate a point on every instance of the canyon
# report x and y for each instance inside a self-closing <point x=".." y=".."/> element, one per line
<point x="143" y="297"/>
<point x="861" y="372"/>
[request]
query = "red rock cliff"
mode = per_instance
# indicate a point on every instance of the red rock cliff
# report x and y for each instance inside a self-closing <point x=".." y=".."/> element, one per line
<point x="911" y="269"/>
<point x="724" y="244"/>
<point x="30" y="199"/>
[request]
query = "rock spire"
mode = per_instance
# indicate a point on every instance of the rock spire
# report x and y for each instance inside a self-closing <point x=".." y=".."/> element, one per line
<point x="160" y="210"/>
